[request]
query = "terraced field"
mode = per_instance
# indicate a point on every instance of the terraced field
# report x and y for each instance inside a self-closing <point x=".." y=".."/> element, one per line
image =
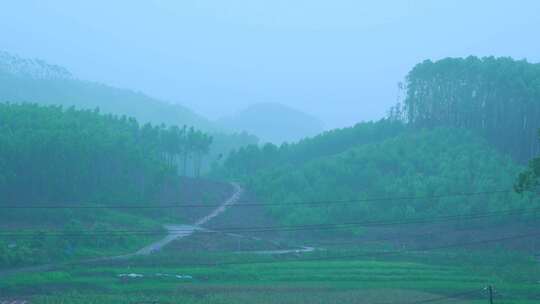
<point x="403" y="280"/>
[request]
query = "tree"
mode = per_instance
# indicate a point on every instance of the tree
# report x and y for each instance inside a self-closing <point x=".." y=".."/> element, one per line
<point x="529" y="179"/>
<point x="499" y="98"/>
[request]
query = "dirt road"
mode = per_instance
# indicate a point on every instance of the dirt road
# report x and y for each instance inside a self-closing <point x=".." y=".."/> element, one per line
<point x="180" y="231"/>
<point x="174" y="232"/>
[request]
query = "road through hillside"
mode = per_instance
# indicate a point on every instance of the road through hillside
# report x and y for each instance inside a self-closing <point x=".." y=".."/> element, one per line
<point x="174" y="232"/>
<point x="180" y="231"/>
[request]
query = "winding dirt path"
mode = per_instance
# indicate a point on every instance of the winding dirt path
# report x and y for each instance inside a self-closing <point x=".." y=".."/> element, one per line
<point x="180" y="231"/>
<point x="174" y="232"/>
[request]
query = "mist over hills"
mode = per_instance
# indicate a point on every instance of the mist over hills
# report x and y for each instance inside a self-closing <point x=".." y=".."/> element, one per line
<point x="35" y="81"/>
<point x="274" y="122"/>
<point x="51" y="84"/>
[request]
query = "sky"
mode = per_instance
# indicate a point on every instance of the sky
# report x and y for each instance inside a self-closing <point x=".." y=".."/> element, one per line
<point x="339" y="60"/>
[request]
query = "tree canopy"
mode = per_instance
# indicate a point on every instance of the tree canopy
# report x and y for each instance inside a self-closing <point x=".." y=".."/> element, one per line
<point x="497" y="97"/>
<point x="529" y="179"/>
<point x="35" y="81"/>
<point x="413" y="164"/>
<point x="51" y="154"/>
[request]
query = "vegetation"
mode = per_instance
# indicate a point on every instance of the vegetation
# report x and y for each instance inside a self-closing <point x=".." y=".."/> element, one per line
<point x="499" y="98"/>
<point x="55" y="156"/>
<point x="437" y="141"/>
<point x="529" y="179"/>
<point x="251" y="160"/>
<point x="54" y="85"/>
<point x="415" y="163"/>
<point x="464" y="128"/>
<point x="34" y="81"/>
<point x="414" y="276"/>
<point x="50" y="155"/>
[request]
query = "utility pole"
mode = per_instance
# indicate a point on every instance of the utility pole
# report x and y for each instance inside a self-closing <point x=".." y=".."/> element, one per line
<point x="490" y="291"/>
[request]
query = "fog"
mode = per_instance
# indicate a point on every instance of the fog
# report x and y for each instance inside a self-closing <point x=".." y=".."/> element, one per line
<point x="337" y="60"/>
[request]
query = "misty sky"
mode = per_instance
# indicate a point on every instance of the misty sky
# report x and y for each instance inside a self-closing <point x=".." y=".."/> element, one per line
<point x="339" y="60"/>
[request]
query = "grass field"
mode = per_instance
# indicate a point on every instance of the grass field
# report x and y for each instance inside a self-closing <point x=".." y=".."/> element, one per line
<point x="411" y="278"/>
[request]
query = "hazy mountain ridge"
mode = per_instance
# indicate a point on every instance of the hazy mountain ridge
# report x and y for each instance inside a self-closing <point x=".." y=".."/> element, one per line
<point x="34" y="81"/>
<point x="31" y="68"/>
<point x="274" y="122"/>
<point x="52" y="84"/>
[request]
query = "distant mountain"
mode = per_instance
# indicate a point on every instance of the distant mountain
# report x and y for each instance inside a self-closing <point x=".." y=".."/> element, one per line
<point x="31" y="68"/>
<point x="274" y="122"/>
<point x="35" y="81"/>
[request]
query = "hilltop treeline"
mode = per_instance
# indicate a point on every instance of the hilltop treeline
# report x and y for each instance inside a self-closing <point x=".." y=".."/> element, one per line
<point x="34" y="81"/>
<point x="410" y="163"/>
<point x="248" y="161"/>
<point x="497" y="97"/>
<point x="464" y="127"/>
<point x="51" y="154"/>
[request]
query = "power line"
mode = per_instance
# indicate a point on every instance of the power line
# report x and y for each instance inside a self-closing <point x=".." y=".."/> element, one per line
<point x="180" y="205"/>
<point x="262" y="229"/>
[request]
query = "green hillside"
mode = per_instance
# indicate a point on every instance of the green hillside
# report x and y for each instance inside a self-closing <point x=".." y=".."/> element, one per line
<point x="415" y="163"/>
<point x="24" y="80"/>
<point x="497" y="98"/>
<point x="35" y="81"/>
<point x="466" y="125"/>
<point x="250" y="160"/>
<point x="50" y="156"/>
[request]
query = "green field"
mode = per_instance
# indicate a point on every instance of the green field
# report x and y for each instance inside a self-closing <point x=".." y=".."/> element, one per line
<point x="408" y="278"/>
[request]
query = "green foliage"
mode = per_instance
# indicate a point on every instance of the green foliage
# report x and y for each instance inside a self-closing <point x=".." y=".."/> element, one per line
<point x="251" y="160"/>
<point x="498" y="98"/>
<point x="528" y="180"/>
<point x="416" y="163"/>
<point x="53" y="155"/>
<point x="414" y="276"/>
<point x="26" y="80"/>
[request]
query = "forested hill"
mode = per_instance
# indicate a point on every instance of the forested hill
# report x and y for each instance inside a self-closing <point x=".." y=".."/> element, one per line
<point x="498" y="98"/>
<point x="465" y="126"/>
<point x="34" y="81"/>
<point x="28" y="80"/>
<point x="59" y="167"/>
<point x="413" y="163"/>
<point x="52" y="155"/>
<point x="248" y="161"/>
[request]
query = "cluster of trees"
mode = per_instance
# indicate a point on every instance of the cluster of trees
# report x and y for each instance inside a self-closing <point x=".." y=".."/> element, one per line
<point x="438" y="140"/>
<point x="48" y="154"/>
<point x="529" y="179"/>
<point x="182" y="145"/>
<point x="412" y="164"/>
<point x="55" y="156"/>
<point x="253" y="159"/>
<point x="498" y="98"/>
<point x="25" y="80"/>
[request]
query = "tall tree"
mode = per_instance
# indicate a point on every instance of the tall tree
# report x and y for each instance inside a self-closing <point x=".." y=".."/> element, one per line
<point x="497" y="97"/>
